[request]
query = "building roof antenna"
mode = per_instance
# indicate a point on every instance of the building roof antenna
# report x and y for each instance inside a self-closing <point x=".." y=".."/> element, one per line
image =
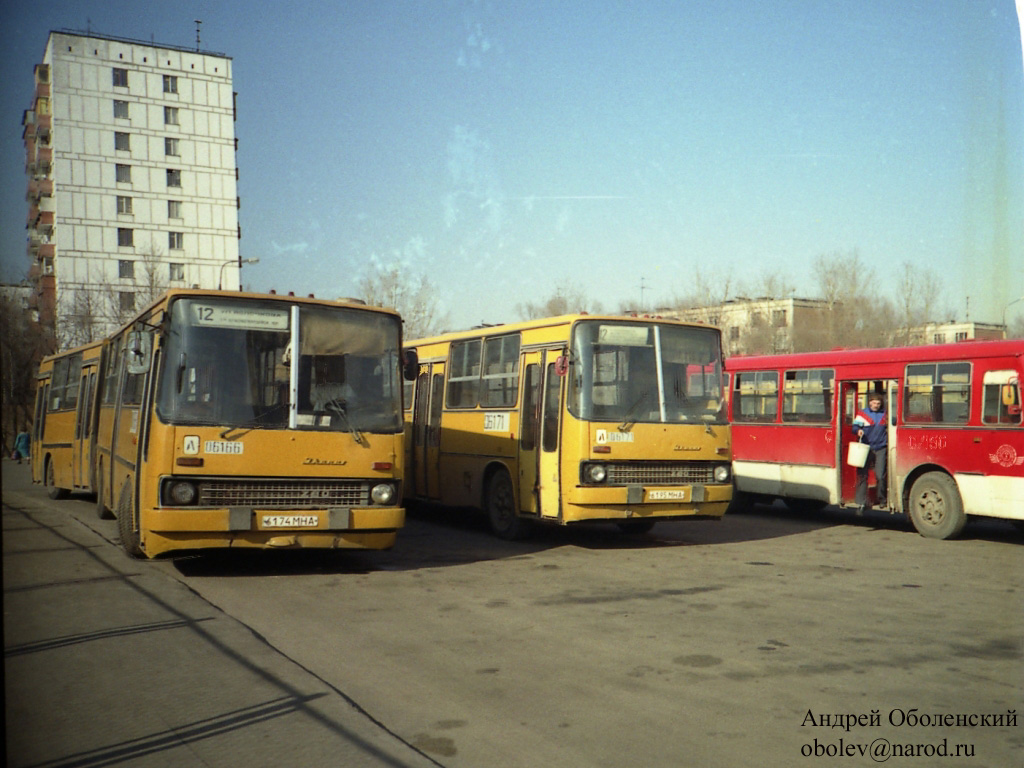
<point x="198" y="23"/>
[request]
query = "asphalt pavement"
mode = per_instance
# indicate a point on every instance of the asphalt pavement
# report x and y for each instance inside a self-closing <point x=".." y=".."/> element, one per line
<point x="108" y="662"/>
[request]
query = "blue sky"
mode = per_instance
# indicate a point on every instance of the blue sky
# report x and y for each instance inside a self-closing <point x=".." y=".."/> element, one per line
<point x="506" y="148"/>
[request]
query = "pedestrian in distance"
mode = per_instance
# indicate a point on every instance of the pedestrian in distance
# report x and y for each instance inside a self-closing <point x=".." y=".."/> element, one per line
<point x="870" y="426"/>
<point x="21" y="446"/>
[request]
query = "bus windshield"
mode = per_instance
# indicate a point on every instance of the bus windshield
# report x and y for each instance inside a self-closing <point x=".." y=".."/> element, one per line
<point x="648" y="373"/>
<point x="235" y="364"/>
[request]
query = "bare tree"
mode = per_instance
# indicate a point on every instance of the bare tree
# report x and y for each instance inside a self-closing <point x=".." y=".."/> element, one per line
<point x="918" y="293"/>
<point x="856" y="316"/>
<point x="93" y="310"/>
<point x="566" y="299"/>
<point x="414" y="296"/>
<point x="23" y="343"/>
<point x="706" y="290"/>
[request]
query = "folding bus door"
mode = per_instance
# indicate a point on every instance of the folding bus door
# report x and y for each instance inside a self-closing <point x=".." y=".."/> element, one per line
<point x="539" y="479"/>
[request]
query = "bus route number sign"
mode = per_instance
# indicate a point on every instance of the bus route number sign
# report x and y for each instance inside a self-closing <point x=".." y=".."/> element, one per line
<point x="243" y="317"/>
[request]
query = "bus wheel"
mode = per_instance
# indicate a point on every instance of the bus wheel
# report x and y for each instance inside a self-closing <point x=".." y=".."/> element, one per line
<point x="633" y="527"/>
<point x="129" y="536"/>
<point x="935" y="506"/>
<point x="501" y="508"/>
<point x="51" y="487"/>
<point x="101" y="509"/>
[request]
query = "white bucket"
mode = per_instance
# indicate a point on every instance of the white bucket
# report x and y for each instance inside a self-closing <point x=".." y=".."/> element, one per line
<point x="857" y="454"/>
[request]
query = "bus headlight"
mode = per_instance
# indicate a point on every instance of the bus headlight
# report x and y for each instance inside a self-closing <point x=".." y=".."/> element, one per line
<point x="722" y="473"/>
<point x="181" y="492"/>
<point x="595" y="473"/>
<point x="383" y="494"/>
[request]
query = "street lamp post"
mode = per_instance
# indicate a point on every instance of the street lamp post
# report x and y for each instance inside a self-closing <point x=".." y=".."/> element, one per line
<point x="1004" y="313"/>
<point x="240" y="262"/>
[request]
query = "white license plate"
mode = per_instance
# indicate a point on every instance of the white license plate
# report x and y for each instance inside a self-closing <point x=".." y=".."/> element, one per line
<point x="666" y="495"/>
<point x="290" y="521"/>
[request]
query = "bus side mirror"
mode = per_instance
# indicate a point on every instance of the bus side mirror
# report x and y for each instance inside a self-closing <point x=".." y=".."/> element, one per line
<point x="1009" y="394"/>
<point x="562" y="365"/>
<point x="410" y="364"/>
<point x="137" y="352"/>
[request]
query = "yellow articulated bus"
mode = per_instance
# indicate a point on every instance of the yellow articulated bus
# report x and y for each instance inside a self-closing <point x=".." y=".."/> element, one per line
<point x="245" y="420"/>
<point x="570" y="419"/>
<point x="64" y="429"/>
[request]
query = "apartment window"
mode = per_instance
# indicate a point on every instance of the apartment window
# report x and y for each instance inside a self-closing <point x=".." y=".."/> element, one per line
<point x="175" y="240"/>
<point x="120" y="78"/>
<point x="961" y="336"/>
<point x="171" y="147"/>
<point x="939" y="338"/>
<point x="174" y="209"/>
<point x="124" y="204"/>
<point x="170" y="84"/>
<point x="121" y="109"/>
<point x="177" y="271"/>
<point x="173" y="177"/>
<point x="124" y="174"/>
<point x="126" y="300"/>
<point x="125" y="237"/>
<point x="170" y="115"/>
<point x="126" y="268"/>
<point x="122" y="141"/>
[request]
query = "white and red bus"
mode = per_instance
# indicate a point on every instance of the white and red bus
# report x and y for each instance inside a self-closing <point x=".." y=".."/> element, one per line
<point x="955" y="432"/>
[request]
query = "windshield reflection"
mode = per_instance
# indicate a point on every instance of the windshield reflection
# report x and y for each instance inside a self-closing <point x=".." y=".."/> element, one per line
<point x="229" y="363"/>
<point x="645" y="372"/>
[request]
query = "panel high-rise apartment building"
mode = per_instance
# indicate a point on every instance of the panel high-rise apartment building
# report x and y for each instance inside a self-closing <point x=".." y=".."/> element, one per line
<point x="130" y="156"/>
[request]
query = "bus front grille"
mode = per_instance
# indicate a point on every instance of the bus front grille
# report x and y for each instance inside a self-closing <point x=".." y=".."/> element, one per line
<point x="661" y="473"/>
<point x="284" y="494"/>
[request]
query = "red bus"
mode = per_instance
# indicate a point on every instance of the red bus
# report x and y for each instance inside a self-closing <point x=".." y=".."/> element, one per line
<point x="955" y="434"/>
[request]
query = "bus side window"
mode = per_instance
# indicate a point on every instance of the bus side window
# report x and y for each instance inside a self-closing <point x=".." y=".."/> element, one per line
<point x="1001" y="401"/>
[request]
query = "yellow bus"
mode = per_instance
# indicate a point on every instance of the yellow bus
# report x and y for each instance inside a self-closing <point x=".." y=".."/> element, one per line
<point x="570" y="419"/>
<point x="230" y="419"/>
<point x="63" y="432"/>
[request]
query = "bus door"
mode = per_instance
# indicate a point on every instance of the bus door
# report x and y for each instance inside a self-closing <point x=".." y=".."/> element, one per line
<point x="854" y="397"/>
<point x="539" y="480"/>
<point x="82" y="451"/>
<point x="38" y="429"/>
<point x="426" y="431"/>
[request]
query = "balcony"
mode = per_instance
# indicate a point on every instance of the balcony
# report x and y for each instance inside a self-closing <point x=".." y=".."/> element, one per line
<point x="45" y="222"/>
<point x="38" y="188"/>
<point x="46" y="252"/>
<point x="43" y="125"/>
<point x="44" y="156"/>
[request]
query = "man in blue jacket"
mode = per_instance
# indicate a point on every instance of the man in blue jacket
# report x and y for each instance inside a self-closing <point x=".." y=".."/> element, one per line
<point x="869" y="425"/>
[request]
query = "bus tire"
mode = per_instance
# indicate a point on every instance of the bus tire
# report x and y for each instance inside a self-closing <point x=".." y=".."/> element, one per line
<point x="51" y="487"/>
<point x="501" y="508"/>
<point x="935" y="506"/>
<point x="129" y="536"/>
<point x="101" y="508"/>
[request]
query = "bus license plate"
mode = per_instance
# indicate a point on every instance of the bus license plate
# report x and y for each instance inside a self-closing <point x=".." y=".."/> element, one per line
<point x="666" y="495"/>
<point x="290" y="521"/>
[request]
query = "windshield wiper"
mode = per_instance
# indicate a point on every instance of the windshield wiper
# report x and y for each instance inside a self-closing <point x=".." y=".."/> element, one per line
<point x="627" y="421"/>
<point x="338" y="407"/>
